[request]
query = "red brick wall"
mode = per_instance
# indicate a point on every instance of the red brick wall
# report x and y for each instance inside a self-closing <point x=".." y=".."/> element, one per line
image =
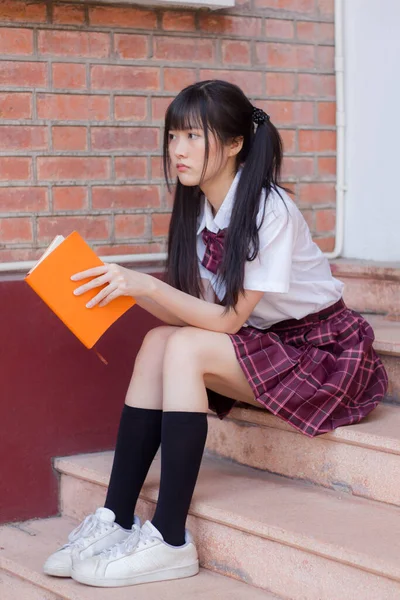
<point x="83" y="90"/>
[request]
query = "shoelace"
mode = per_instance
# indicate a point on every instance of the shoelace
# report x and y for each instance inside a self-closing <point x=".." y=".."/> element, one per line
<point x="137" y="539"/>
<point x="91" y="525"/>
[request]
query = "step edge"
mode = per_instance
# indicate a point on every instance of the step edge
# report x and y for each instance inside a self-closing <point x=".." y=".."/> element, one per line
<point x="66" y="466"/>
<point x="364" y="269"/>
<point x="36" y="578"/>
<point x="306" y="543"/>
<point x="351" y="438"/>
<point x="213" y="455"/>
<point x="382" y="343"/>
<point x="302" y="542"/>
<point x="387" y="348"/>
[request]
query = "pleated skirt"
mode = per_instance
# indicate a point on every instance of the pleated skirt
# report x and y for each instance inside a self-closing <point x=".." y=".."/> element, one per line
<point x="317" y="373"/>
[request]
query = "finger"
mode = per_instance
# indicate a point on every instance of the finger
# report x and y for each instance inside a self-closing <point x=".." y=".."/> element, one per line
<point x="90" y="273"/>
<point x="94" y="283"/>
<point x="110" y="298"/>
<point x="101" y="296"/>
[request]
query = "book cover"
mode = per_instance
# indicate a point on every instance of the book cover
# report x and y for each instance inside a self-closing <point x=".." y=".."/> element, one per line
<point x="51" y="280"/>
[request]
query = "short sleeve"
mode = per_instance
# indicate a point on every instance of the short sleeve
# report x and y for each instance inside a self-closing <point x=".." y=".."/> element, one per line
<point x="271" y="270"/>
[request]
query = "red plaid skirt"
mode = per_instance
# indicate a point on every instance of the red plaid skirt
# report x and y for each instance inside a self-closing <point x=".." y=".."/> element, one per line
<point x="316" y="373"/>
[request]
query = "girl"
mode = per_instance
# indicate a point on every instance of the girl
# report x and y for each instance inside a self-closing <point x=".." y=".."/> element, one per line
<point x="253" y="314"/>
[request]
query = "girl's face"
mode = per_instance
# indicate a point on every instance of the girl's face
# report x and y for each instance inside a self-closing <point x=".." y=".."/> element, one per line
<point x="187" y="153"/>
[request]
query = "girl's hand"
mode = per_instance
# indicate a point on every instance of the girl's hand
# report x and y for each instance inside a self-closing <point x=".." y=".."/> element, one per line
<point x="121" y="282"/>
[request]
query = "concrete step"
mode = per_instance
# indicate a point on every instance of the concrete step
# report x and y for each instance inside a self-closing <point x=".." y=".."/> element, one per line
<point x="25" y="546"/>
<point x="372" y="287"/>
<point x="14" y="588"/>
<point x="387" y="345"/>
<point x="293" y="539"/>
<point x="360" y="459"/>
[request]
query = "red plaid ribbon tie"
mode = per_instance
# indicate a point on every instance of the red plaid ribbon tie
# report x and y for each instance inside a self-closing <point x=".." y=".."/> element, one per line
<point x="214" y="249"/>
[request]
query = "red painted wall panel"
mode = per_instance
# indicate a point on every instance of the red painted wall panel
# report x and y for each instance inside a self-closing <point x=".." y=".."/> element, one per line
<point x="56" y="397"/>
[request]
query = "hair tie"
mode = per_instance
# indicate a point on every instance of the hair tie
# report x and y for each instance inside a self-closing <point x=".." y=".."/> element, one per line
<point x="259" y="116"/>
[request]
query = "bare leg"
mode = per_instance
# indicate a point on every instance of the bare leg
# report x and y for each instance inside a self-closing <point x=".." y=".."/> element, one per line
<point x="145" y="388"/>
<point x="196" y="359"/>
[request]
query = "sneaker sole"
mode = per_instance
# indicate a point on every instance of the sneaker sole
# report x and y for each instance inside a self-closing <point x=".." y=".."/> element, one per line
<point x="61" y="572"/>
<point x="162" y="575"/>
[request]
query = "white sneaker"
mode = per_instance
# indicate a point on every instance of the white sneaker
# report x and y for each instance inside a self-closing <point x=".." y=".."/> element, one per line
<point x="143" y="557"/>
<point x="97" y="532"/>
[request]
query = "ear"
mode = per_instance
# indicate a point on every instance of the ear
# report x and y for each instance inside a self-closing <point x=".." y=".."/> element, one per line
<point x="236" y="145"/>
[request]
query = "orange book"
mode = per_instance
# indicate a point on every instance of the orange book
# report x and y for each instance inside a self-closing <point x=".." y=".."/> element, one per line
<point x="50" y="278"/>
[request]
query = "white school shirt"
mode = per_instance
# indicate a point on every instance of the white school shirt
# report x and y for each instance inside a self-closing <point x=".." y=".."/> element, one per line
<point x="290" y="268"/>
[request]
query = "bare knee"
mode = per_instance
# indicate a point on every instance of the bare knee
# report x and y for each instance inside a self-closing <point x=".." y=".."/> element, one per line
<point x="185" y="348"/>
<point x="158" y="336"/>
<point x="153" y="345"/>
<point x="148" y="369"/>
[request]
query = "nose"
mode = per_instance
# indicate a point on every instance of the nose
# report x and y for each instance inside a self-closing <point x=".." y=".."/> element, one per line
<point x="180" y="147"/>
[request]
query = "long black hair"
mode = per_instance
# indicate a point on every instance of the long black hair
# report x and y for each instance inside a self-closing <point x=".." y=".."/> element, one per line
<point x="223" y="109"/>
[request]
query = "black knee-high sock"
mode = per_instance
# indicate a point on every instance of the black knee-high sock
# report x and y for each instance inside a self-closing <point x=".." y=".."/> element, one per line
<point x="138" y="440"/>
<point x="183" y="437"/>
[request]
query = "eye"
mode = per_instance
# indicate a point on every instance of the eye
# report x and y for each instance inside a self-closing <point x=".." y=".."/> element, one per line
<point x="171" y="136"/>
<point x="194" y="135"/>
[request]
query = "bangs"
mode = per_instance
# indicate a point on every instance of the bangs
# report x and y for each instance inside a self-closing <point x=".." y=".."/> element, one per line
<point x="186" y="112"/>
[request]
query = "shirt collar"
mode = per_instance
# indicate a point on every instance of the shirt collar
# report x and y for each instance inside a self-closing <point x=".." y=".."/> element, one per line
<point x="223" y="216"/>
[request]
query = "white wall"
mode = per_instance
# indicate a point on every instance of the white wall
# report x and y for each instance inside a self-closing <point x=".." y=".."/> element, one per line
<point x="372" y="90"/>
